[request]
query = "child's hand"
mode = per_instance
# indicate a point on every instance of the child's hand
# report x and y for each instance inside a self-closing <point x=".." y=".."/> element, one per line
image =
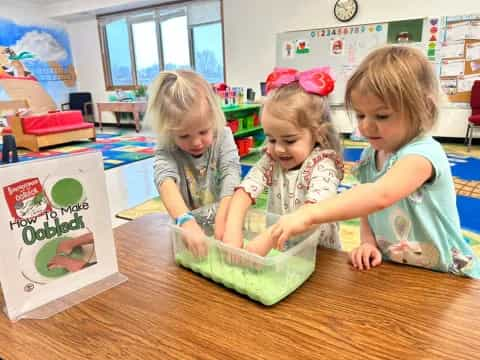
<point x="65" y="262"/>
<point x="261" y="245"/>
<point x="234" y="238"/>
<point x="289" y="225"/>
<point x="195" y="238"/>
<point x="365" y="256"/>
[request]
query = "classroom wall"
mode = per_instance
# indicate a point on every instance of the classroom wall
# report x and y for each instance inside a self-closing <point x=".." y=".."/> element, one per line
<point x="23" y="22"/>
<point x="85" y="45"/>
<point x="24" y="13"/>
<point x="250" y="27"/>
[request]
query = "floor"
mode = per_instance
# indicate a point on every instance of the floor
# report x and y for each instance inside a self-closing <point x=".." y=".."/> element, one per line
<point x="129" y="185"/>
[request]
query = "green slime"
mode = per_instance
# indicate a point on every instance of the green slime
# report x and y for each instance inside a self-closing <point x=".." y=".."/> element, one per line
<point x="67" y="191"/>
<point x="48" y="251"/>
<point x="267" y="285"/>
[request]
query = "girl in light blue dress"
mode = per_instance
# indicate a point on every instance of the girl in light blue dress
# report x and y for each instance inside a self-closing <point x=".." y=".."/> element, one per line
<point x="406" y="200"/>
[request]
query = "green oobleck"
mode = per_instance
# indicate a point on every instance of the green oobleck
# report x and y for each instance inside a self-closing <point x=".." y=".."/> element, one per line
<point x="48" y="251"/>
<point x="264" y="285"/>
<point x="66" y="192"/>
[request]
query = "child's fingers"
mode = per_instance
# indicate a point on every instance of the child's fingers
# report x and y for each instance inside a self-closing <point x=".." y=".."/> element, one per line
<point x="275" y="234"/>
<point x="366" y="259"/>
<point x="282" y="239"/>
<point x="201" y="248"/>
<point x="192" y="246"/>
<point x="352" y="258"/>
<point x="376" y="258"/>
<point x="358" y="259"/>
<point x="219" y="233"/>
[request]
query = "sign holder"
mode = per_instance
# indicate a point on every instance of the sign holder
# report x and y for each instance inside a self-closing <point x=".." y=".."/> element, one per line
<point x="59" y="248"/>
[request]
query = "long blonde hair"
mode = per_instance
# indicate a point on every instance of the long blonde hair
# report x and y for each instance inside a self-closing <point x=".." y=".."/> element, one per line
<point x="292" y="103"/>
<point x="403" y="79"/>
<point x="172" y="95"/>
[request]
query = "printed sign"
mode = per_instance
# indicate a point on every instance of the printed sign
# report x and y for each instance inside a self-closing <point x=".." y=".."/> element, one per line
<point x="302" y="47"/>
<point x="56" y="233"/>
<point x="288" y="50"/>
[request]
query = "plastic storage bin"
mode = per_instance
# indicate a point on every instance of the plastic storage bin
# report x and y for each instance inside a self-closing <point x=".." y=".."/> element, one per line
<point x="266" y="279"/>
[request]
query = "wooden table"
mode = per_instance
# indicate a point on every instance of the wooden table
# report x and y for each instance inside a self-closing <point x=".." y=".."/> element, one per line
<point x="167" y="312"/>
<point x="135" y="107"/>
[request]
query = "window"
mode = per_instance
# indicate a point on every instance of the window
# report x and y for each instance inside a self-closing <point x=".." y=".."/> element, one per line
<point x="208" y="51"/>
<point x="138" y="44"/>
<point x="120" y="65"/>
<point x="175" y="48"/>
<point x="146" y="51"/>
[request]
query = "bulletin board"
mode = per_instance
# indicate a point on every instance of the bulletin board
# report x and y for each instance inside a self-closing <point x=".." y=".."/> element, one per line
<point x="460" y="56"/>
<point x="453" y="50"/>
<point x="340" y="48"/>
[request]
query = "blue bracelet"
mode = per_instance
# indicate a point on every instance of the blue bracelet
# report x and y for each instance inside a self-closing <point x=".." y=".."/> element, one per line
<point x="182" y="219"/>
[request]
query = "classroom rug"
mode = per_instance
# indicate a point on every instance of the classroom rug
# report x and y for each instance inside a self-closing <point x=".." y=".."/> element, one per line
<point x="117" y="149"/>
<point x="465" y="170"/>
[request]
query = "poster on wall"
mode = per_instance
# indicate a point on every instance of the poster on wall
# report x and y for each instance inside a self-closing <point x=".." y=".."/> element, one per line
<point x="302" y="47"/>
<point x="56" y="235"/>
<point x="288" y="50"/>
<point x="405" y="31"/>
<point x="35" y="61"/>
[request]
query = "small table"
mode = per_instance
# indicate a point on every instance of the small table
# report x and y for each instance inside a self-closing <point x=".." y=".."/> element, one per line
<point x="135" y="107"/>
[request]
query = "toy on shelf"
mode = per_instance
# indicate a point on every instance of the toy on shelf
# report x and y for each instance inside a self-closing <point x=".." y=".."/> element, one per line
<point x="231" y="96"/>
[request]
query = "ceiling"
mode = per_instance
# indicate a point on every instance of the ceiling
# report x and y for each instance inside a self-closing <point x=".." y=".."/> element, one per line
<point x="41" y="2"/>
<point x="88" y="13"/>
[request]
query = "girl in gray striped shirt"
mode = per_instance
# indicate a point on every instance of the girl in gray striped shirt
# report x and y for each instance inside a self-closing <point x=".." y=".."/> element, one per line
<point x="196" y="160"/>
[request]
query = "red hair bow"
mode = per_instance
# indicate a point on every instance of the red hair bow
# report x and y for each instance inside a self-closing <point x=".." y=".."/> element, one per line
<point x="314" y="81"/>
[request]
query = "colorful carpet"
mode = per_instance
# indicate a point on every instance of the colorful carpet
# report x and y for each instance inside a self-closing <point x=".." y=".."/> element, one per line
<point x="465" y="169"/>
<point x="117" y="149"/>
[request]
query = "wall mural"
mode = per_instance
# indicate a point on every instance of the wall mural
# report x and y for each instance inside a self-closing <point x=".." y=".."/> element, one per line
<point x="35" y="64"/>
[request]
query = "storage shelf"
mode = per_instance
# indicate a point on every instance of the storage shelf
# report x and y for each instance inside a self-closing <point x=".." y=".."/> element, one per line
<point x="229" y="109"/>
<point x="255" y="151"/>
<point x="247" y="131"/>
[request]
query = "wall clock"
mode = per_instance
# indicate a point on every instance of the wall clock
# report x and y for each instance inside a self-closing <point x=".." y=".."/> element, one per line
<point x="345" y="10"/>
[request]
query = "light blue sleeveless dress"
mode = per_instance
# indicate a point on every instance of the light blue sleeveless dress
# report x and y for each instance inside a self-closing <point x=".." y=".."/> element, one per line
<point x="424" y="228"/>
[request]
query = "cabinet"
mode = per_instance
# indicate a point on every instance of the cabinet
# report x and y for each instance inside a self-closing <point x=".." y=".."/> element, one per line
<point x="244" y="121"/>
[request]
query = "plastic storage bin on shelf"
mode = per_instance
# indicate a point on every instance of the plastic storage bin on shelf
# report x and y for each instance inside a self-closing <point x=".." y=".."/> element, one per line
<point x="266" y="279"/>
<point x="244" y="145"/>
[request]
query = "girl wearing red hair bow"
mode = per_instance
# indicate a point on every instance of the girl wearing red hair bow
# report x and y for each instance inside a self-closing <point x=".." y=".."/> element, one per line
<point x="302" y="161"/>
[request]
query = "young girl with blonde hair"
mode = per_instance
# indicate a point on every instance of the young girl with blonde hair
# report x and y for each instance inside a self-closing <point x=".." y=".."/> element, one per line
<point x="406" y="200"/>
<point x="302" y="162"/>
<point x="196" y="160"/>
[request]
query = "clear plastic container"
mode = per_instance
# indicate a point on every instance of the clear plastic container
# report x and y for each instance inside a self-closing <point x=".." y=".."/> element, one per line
<point x="266" y="279"/>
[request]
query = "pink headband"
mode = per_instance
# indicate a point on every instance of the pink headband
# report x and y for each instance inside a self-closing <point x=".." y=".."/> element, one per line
<point x="314" y="81"/>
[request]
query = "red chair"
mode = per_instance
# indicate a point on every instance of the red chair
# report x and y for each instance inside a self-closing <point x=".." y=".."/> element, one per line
<point x="474" y="119"/>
